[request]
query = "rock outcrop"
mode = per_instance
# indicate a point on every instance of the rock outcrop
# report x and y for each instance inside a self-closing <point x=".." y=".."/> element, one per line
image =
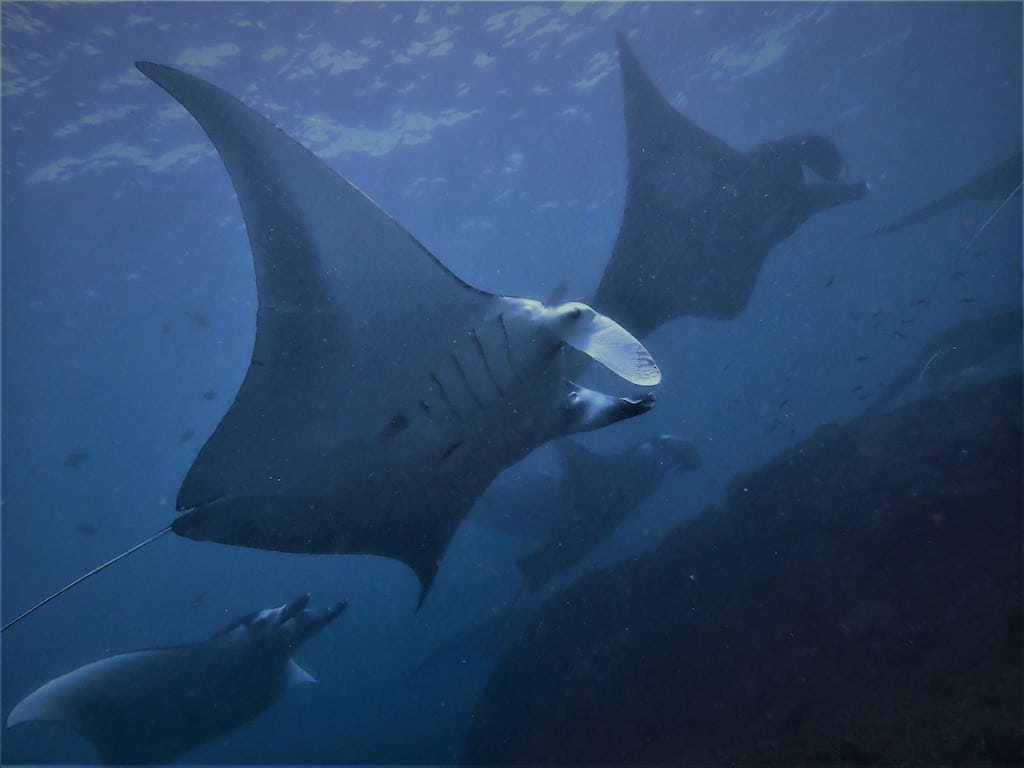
<point x="858" y="599"/>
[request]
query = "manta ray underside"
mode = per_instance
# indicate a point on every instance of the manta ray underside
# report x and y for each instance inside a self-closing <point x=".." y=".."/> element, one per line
<point x="700" y="217"/>
<point x="384" y="394"/>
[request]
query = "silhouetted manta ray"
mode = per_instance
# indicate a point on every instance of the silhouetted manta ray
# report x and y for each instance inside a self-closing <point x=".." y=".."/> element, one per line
<point x="700" y="217"/>
<point x="491" y="638"/>
<point x="997" y="183"/>
<point x="957" y="349"/>
<point x="569" y="516"/>
<point x="599" y="492"/>
<point x="150" y="706"/>
<point x="384" y="393"/>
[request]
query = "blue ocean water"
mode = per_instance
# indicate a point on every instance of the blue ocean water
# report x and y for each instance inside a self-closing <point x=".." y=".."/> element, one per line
<point x="494" y="133"/>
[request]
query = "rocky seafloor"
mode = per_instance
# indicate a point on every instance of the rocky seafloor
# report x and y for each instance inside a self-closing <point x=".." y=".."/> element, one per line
<point x="856" y="600"/>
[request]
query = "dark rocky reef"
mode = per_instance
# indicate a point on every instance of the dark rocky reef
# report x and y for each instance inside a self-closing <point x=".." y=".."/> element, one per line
<point x="856" y="600"/>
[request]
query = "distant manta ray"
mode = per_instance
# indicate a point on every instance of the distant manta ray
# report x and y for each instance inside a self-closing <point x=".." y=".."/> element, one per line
<point x="594" y="495"/>
<point x="599" y="493"/>
<point x="700" y="217"/>
<point x="1000" y="182"/>
<point x="384" y="394"/>
<point x="152" y="705"/>
<point x="956" y="350"/>
<point x="570" y="515"/>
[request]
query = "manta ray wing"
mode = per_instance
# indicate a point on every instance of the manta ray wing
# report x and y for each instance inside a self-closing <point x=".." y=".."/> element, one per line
<point x="343" y="290"/>
<point x="678" y="176"/>
<point x="133" y="707"/>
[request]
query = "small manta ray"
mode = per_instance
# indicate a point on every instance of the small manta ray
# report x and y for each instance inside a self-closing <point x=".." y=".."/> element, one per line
<point x="152" y="705"/>
<point x="384" y="394"/>
<point x="958" y="349"/>
<point x="1000" y="182"/>
<point x="700" y="217"/>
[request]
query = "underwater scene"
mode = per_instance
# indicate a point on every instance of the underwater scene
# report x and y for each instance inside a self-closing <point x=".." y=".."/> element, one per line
<point x="512" y="383"/>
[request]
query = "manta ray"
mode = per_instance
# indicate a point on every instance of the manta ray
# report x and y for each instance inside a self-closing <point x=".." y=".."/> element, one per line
<point x="598" y="493"/>
<point x="568" y="516"/>
<point x="1000" y="182"/>
<point x="958" y="349"/>
<point x="384" y="393"/>
<point x="701" y="217"/>
<point x="152" y="705"/>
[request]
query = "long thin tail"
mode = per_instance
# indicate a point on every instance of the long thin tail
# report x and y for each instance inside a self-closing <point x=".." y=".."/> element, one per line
<point x="83" y="577"/>
<point x="990" y="218"/>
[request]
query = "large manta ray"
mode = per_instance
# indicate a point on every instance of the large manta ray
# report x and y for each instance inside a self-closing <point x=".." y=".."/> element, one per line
<point x="150" y="706"/>
<point x="700" y="217"/>
<point x="384" y="394"/>
<point x="999" y="182"/>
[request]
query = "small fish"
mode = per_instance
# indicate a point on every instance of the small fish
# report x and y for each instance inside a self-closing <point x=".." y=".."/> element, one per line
<point x="76" y="459"/>
<point x="981" y="253"/>
<point x="187" y="435"/>
<point x="862" y="358"/>
<point x="968" y="300"/>
<point x="86" y="528"/>
<point x="919" y="303"/>
<point x="165" y="329"/>
<point x="831" y="279"/>
<point x="900" y="334"/>
<point x="209" y="394"/>
<point x="199" y="319"/>
<point x="857" y="388"/>
<point x="783" y="404"/>
<point x="960" y="273"/>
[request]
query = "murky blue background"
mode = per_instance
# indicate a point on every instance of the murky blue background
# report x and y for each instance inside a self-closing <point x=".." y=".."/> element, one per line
<point x="494" y="133"/>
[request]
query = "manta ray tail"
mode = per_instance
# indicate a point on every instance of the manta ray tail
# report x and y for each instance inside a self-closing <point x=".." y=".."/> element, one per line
<point x="83" y="577"/>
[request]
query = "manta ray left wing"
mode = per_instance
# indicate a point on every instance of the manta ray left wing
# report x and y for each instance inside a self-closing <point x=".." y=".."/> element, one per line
<point x="384" y="394"/>
<point x="339" y="286"/>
